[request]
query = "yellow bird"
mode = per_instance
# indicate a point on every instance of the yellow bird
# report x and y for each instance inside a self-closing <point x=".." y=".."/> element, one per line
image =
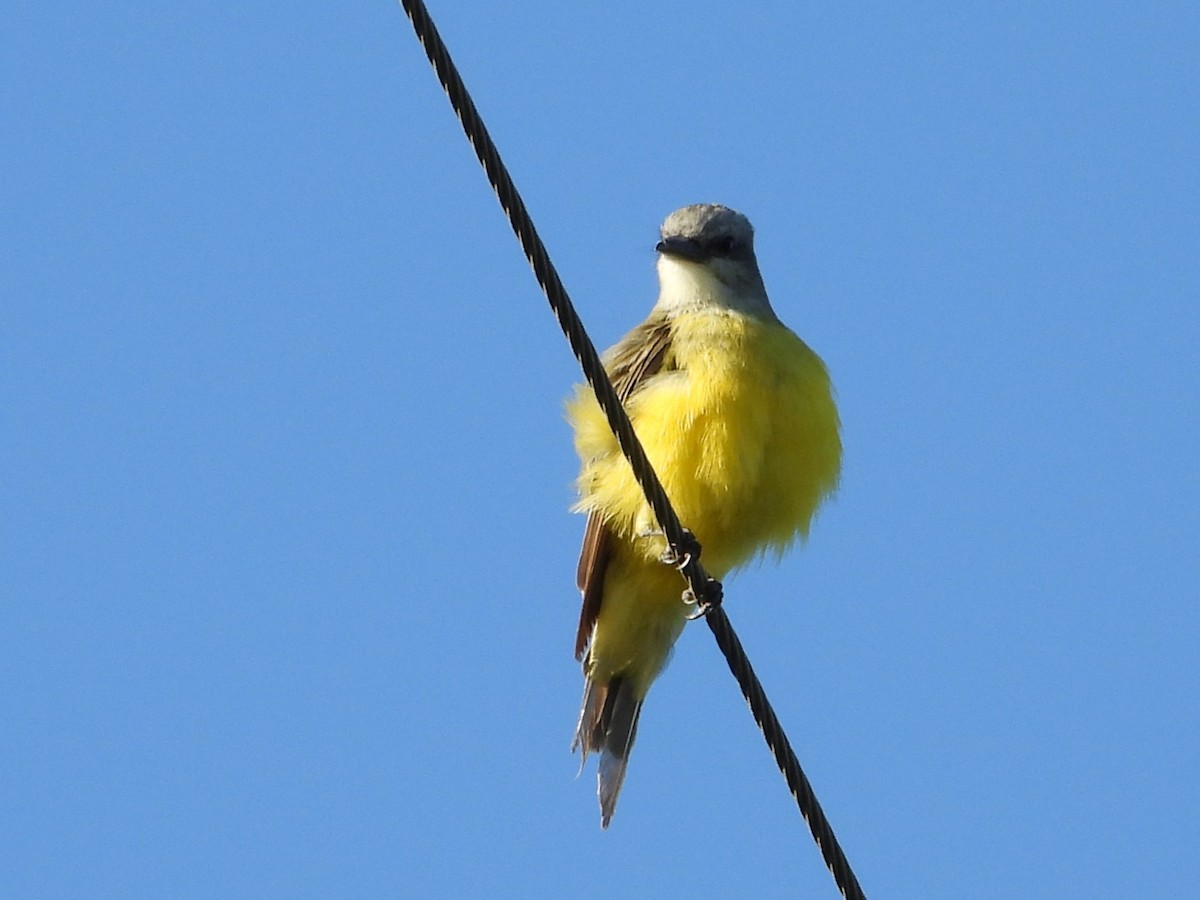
<point x="737" y="417"/>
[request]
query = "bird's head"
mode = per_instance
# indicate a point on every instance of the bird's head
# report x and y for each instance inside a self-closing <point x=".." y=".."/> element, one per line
<point x="706" y="256"/>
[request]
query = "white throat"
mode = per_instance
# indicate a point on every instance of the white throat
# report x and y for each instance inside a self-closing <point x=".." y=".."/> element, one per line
<point x="715" y="284"/>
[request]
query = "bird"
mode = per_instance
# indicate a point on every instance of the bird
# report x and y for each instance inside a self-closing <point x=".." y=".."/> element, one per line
<point x="737" y="416"/>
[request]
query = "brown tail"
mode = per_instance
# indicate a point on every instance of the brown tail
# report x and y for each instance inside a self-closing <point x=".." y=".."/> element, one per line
<point x="608" y="725"/>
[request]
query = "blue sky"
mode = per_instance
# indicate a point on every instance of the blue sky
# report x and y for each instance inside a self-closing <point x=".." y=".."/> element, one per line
<point x="286" y="563"/>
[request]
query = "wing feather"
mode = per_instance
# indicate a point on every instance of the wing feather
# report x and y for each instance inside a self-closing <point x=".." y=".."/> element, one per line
<point x="636" y="359"/>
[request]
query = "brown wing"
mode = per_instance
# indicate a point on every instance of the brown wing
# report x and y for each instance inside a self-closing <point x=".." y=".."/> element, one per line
<point x="641" y="354"/>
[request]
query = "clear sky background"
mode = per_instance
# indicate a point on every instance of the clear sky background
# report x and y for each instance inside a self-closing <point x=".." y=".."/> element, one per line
<point x="286" y="562"/>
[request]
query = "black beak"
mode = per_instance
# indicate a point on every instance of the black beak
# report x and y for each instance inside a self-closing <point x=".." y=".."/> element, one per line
<point x="684" y="248"/>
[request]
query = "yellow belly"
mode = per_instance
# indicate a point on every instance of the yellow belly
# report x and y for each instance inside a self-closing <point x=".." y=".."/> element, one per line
<point x="744" y="436"/>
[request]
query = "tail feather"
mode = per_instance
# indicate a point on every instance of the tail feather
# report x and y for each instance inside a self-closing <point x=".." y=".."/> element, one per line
<point x="608" y="723"/>
<point x="594" y="695"/>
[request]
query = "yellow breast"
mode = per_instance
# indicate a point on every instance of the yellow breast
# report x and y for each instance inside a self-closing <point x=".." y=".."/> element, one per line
<point x="743" y="433"/>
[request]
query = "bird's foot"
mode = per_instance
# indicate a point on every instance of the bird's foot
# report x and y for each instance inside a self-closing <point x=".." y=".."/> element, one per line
<point x="712" y="599"/>
<point x="678" y="557"/>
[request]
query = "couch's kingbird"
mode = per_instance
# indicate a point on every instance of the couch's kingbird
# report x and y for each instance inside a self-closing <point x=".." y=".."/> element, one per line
<point x="736" y="415"/>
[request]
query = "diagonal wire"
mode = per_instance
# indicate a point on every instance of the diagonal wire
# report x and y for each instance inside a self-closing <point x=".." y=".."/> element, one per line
<point x="706" y="589"/>
<point x="547" y="276"/>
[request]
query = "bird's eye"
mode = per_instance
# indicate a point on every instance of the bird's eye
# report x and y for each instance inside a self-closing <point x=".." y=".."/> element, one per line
<point x="724" y="246"/>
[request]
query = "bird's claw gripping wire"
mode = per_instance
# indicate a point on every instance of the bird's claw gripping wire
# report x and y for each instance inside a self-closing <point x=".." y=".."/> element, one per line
<point x="681" y="555"/>
<point x="678" y="556"/>
<point x="712" y="599"/>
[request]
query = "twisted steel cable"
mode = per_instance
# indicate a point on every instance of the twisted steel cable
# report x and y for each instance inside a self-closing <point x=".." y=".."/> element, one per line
<point x="683" y="547"/>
